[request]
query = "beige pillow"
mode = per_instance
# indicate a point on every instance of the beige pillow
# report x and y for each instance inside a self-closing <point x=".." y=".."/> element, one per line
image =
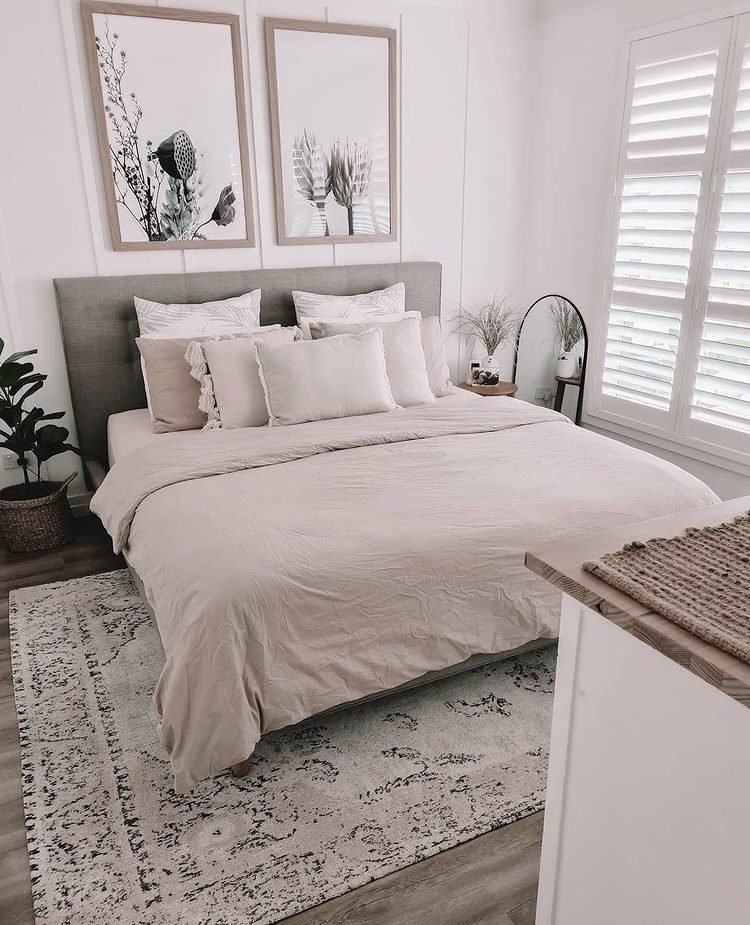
<point x="227" y="369"/>
<point x="172" y="392"/>
<point x="404" y="356"/>
<point x="336" y="377"/>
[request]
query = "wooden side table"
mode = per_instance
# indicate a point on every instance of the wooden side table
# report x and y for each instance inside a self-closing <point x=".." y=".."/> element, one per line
<point x="562" y="381"/>
<point x="502" y="388"/>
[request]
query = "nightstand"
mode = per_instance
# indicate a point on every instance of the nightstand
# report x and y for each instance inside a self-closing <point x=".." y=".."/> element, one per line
<point x="562" y="381"/>
<point x="502" y="388"/>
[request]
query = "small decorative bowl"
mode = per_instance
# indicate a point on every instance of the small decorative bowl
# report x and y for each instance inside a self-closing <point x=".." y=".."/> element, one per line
<point x="484" y="376"/>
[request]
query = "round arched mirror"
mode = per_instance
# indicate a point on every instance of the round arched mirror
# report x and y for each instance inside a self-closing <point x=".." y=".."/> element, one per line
<point x="549" y="367"/>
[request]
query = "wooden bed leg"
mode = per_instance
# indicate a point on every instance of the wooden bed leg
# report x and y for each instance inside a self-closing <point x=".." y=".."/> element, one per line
<point x="242" y="768"/>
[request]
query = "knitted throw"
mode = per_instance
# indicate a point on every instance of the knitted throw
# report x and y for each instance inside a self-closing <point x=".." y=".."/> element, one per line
<point x="700" y="581"/>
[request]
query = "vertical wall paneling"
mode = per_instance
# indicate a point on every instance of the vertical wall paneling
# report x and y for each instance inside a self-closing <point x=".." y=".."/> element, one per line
<point x="12" y="331"/>
<point x="499" y="117"/>
<point x="89" y="165"/>
<point x="459" y="338"/>
<point x="433" y="86"/>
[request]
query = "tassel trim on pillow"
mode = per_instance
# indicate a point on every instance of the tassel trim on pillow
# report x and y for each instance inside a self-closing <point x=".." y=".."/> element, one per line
<point x="196" y="360"/>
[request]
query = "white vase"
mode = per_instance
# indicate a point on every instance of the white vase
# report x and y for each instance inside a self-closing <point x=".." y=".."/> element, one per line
<point x="566" y="366"/>
<point x="491" y="362"/>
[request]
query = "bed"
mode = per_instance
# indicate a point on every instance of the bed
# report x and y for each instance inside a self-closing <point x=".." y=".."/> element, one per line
<point x="292" y="570"/>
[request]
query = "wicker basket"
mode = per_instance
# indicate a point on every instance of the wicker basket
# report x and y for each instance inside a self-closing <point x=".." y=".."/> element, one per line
<point x="33" y="524"/>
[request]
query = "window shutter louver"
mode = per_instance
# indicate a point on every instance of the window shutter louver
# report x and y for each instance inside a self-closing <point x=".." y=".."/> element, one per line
<point x="718" y="408"/>
<point x="674" y="88"/>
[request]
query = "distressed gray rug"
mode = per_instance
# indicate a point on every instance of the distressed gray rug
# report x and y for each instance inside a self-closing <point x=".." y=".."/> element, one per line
<point x="329" y="805"/>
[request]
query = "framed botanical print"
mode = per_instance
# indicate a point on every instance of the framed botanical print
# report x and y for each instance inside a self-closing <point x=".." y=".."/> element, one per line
<point x="333" y="128"/>
<point x="169" y="103"/>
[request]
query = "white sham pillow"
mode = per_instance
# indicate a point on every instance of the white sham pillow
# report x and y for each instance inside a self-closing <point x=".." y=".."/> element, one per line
<point x="315" y="380"/>
<point x="365" y="305"/>
<point x="404" y="356"/>
<point x="231" y="393"/>
<point x="229" y="316"/>
<point x="433" y="346"/>
<point x="304" y="325"/>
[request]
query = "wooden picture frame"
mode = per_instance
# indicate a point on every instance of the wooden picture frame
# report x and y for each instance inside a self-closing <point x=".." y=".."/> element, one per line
<point x="180" y="220"/>
<point x="310" y="156"/>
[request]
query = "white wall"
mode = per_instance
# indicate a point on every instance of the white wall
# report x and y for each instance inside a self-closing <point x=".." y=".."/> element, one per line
<point x="509" y="122"/>
<point x="578" y="49"/>
<point x="464" y="67"/>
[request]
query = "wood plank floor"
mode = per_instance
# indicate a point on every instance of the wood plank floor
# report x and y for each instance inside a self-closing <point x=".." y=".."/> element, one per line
<point x="491" y="880"/>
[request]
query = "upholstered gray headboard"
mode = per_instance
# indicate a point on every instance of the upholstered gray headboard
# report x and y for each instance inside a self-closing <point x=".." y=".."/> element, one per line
<point x="99" y="324"/>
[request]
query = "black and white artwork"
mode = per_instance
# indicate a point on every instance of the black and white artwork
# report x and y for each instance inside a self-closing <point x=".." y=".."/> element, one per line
<point x="168" y="96"/>
<point x="332" y="102"/>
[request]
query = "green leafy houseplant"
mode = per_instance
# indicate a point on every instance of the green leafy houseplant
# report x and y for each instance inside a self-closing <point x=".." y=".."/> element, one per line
<point x="34" y="514"/>
<point x="25" y="432"/>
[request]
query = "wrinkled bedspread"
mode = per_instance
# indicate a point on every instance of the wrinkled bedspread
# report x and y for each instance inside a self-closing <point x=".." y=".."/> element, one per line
<point x="292" y="569"/>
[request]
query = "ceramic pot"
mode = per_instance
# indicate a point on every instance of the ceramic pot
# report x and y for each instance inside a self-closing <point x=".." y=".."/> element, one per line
<point x="566" y="366"/>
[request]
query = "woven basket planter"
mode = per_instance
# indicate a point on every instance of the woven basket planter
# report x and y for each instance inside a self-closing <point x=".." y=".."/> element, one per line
<point x="33" y="524"/>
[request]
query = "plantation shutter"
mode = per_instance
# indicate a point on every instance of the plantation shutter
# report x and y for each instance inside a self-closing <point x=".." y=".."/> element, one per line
<point x="718" y="404"/>
<point x="673" y="106"/>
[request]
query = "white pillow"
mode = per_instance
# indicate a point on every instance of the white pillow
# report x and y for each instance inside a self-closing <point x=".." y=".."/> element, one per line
<point x="404" y="356"/>
<point x="304" y="324"/>
<point x="433" y="346"/>
<point x="311" y="305"/>
<point x="336" y="377"/>
<point x="227" y="369"/>
<point x="229" y="316"/>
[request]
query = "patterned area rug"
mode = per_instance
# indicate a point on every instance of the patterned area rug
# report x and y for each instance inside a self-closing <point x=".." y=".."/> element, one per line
<point x="329" y="805"/>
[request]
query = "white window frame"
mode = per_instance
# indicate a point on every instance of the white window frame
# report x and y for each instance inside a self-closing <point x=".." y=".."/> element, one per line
<point x="596" y="412"/>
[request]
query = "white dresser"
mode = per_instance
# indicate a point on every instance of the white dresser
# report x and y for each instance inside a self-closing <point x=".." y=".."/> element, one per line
<point x="648" y="801"/>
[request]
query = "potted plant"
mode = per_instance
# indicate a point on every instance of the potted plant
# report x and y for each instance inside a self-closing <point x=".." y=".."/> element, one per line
<point x="493" y="325"/>
<point x="34" y="514"/>
<point x="569" y="334"/>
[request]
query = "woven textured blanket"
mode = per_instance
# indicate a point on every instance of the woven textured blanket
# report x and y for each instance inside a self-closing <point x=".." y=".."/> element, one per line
<point x="699" y="580"/>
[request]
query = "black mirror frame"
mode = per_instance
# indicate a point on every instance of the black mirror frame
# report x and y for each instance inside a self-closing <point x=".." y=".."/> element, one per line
<point x="556" y="295"/>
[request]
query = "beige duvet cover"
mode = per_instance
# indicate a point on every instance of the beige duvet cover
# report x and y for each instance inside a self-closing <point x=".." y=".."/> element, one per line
<point x="295" y="568"/>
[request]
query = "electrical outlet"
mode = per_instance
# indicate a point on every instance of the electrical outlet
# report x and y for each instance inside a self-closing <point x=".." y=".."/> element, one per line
<point x="10" y="461"/>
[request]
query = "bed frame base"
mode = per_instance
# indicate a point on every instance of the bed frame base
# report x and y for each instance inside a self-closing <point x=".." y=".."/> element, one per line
<point x="242" y="768"/>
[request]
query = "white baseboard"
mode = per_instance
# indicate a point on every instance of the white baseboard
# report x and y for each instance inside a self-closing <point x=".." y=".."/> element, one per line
<point x="80" y="503"/>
